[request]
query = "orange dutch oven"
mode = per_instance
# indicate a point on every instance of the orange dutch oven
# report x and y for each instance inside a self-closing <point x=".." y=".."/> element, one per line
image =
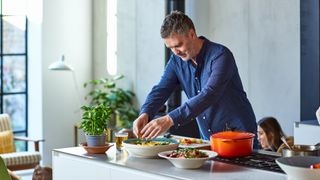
<point x="232" y="143"/>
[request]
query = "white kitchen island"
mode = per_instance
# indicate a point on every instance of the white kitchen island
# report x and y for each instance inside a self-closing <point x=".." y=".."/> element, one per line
<point x="75" y="163"/>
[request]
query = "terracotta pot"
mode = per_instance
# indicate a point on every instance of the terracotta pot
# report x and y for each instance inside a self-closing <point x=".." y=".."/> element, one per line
<point x="232" y="143"/>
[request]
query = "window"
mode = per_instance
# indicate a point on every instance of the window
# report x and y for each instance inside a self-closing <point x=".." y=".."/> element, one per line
<point x="13" y="69"/>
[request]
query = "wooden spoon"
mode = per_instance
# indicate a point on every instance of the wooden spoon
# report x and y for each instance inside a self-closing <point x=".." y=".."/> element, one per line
<point x="283" y="139"/>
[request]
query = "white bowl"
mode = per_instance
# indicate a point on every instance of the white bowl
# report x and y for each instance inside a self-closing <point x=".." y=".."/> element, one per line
<point x="188" y="163"/>
<point x="149" y="151"/>
<point x="298" y="167"/>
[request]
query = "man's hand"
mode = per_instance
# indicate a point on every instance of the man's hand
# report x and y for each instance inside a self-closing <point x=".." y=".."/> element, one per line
<point x="156" y="127"/>
<point x="139" y="123"/>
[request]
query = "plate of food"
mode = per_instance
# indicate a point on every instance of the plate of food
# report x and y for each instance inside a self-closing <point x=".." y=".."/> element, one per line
<point x="192" y="142"/>
<point x="148" y="148"/>
<point x="188" y="158"/>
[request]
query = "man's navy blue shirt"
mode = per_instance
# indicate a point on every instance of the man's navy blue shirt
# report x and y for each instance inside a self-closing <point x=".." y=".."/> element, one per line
<point x="216" y="98"/>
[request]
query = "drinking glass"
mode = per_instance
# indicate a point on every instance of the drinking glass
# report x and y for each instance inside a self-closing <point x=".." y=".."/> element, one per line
<point x="120" y="137"/>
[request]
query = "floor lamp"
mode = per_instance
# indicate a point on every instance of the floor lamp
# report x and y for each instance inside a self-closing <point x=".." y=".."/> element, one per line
<point x="61" y="65"/>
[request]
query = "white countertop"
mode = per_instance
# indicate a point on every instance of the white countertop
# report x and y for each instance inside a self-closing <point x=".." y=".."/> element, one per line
<point x="162" y="167"/>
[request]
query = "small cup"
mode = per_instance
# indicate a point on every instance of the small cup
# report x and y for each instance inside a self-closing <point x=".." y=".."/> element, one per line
<point x="120" y="136"/>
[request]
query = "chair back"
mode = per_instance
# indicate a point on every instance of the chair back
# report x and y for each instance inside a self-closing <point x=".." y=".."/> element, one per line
<point x="6" y="135"/>
<point x="5" y="122"/>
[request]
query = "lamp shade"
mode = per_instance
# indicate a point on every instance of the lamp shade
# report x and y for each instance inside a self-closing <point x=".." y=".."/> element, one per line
<point x="60" y="66"/>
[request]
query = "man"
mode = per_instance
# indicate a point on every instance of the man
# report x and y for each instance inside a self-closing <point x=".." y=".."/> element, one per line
<point x="208" y="74"/>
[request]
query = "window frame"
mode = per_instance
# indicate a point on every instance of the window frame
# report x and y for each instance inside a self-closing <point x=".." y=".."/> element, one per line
<point x="3" y="94"/>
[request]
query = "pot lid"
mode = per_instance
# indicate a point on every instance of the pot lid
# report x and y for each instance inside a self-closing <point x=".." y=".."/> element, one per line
<point x="233" y="135"/>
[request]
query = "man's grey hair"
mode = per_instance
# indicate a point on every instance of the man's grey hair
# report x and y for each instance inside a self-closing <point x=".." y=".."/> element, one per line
<point x="176" y="22"/>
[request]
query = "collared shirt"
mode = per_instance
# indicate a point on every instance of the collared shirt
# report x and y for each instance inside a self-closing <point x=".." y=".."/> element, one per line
<point x="216" y="98"/>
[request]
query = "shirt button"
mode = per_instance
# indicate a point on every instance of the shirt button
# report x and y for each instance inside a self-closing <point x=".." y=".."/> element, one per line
<point x="195" y="78"/>
<point x="178" y="125"/>
<point x="209" y="130"/>
<point x="198" y="91"/>
<point x="204" y="117"/>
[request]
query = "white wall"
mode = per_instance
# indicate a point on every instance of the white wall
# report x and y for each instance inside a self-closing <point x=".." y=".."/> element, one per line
<point x="274" y="60"/>
<point x="34" y="71"/>
<point x="66" y="29"/>
<point x="264" y="37"/>
<point x="99" y="38"/>
<point x="140" y="47"/>
<point x="127" y="43"/>
<point x="150" y="46"/>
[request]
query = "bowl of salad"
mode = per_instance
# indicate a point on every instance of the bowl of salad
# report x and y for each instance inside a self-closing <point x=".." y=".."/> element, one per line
<point x="149" y="148"/>
<point x="188" y="158"/>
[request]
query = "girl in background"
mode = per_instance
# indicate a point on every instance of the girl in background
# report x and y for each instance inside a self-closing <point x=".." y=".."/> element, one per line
<point x="270" y="133"/>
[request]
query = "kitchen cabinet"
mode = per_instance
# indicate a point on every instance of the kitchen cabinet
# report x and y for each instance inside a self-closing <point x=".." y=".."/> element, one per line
<point x="75" y="163"/>
<point x="306" y="132"/>
<point x="70" y="167"/>
<point x="67" y="166"/>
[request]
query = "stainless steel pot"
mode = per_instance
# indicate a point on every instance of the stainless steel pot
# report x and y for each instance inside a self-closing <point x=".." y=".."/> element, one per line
<point x="301" y="150"/>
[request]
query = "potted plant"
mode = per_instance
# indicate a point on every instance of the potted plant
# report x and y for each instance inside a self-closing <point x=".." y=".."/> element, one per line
<point x="94" y="123"/>
<point x="105" y="91"/>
